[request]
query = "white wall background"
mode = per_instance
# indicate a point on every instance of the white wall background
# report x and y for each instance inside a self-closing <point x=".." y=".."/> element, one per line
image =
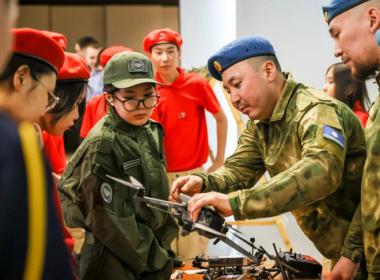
<point x="205" y="25"/>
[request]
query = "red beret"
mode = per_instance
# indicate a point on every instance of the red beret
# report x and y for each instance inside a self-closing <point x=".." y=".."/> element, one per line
<point x="109" y="52"/>
<point x="74" y="68"/>
<point x="35" y="44"/>
<point x="58" y="37"/>
<point x="160" y="36"/>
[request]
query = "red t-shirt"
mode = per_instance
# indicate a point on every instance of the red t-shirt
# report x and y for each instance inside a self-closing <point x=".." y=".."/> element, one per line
<point x="54" y="149"/>
<point x="181" y="111"/>
<point x="95" y="110"/>
<point x="360" y="112"/>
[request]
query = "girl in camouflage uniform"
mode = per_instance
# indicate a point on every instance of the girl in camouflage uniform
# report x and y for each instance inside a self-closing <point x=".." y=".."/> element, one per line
<point x="124" y="239"/>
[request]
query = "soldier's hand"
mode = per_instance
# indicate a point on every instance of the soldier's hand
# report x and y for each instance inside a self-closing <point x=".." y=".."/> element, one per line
<point x="189" y="185"/>
<point x="218" y="200"/>
<point x="344" y="269"/>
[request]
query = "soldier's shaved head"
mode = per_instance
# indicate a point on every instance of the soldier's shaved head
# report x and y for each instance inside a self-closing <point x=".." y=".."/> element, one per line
<point x="257" y="61"/>
<point x="360" y="11"/>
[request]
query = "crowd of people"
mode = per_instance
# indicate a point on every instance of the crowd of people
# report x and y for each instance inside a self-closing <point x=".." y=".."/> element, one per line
<point x="143" y="116"/>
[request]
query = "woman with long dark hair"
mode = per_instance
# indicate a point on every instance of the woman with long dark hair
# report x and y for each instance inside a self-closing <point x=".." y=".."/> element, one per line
<point x="71" y="90"/>
<point x="341" y="85"/>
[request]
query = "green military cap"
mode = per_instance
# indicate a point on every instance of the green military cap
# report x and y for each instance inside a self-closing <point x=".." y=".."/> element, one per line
<point x="128" y="69"/>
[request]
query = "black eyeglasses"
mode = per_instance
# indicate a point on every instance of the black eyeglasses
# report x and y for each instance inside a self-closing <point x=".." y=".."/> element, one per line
<point x="53" y="100"/>
<point x="131" y="105"/>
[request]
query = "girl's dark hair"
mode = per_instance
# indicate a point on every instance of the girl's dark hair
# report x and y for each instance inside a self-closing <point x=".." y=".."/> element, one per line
<point x="37" y="68"/>
<point x="347" y="88"/>
<point x="109" y="88"/>
<point x="68" y="93"/>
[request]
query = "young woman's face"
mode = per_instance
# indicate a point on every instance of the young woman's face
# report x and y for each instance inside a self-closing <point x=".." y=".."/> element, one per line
<point x="64" y="123"/>
<point x="329" y="86"/>
<point x="125" y="100"/>
<point x="29" y="98"/>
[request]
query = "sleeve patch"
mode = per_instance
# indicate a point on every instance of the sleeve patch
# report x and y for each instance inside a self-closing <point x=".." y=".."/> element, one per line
<point x="333" y="135"/>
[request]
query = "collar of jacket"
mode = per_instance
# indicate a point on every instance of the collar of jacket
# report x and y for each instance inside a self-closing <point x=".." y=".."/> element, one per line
<point x="115" y="121"/>
<point x="282" y="103"/>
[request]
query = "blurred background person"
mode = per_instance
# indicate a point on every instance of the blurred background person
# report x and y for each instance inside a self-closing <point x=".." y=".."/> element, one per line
<point x="341" y="85"/>
<point x="88" y="48"/>
<point x="82" y="43"/>
<point x="97" y="107"/>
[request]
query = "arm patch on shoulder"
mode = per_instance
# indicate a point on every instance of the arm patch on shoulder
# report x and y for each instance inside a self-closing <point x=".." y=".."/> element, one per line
<point x="333" y="135"/>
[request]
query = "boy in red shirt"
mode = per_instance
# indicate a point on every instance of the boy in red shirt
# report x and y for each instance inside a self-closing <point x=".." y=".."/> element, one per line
<point x="181" y="111"/>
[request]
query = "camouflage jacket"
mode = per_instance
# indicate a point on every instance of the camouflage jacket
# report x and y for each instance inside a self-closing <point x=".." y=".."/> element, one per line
<point x="124" y="239"/>
<point x="366" y="224"/>
<point x="314" y="149"/>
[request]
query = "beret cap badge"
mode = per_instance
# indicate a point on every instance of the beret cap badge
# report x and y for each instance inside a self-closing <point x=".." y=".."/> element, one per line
<point x="326" y="16"/>
<point x="217" y="66"/>
<point x="137" y="66"/>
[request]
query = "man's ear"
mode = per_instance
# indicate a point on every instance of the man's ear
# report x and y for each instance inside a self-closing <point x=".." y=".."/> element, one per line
<point x="270" y="70"/>
<point x="21" y="77"/>
<point x="374" y="18"/>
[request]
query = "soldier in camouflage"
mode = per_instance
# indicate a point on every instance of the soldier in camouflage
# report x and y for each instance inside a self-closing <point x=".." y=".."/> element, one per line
<point x="353" y="25"/>
<point x="312" y="146"/>
<point x="124" y="238"/>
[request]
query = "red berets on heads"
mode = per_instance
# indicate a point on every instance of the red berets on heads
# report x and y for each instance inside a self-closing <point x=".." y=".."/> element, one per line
<point x="109" y="52"/>
<point x="75" y="68"/>
<point x="160" y="36"/>
<point x="58" y="37"/>
<point x="35" y="44"/>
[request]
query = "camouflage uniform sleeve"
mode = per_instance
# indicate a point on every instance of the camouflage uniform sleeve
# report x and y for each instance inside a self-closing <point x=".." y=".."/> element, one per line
<point x="241" y="170"/>
<point x="353" y="247"/>
<point x="312" y="178"/>
<point x="110" y="218"/>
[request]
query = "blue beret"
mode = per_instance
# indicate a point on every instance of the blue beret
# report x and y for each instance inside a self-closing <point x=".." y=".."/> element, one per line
<point x="237" y="51"/>
<point x="336" y="7"/>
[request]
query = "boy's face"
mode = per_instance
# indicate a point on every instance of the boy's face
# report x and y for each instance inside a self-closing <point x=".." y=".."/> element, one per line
<point x="127" y="110"/>
<point x="91" y="57"/>
<point x="165" y="58"/>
